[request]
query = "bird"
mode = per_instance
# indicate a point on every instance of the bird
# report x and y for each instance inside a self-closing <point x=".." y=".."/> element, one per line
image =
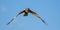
<point x="26" y="11"/>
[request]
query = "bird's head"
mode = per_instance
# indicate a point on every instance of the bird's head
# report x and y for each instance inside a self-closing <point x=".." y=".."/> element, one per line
<point x="26" y="10"/>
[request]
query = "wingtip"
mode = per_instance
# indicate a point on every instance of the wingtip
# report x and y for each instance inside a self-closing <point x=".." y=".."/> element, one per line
<point x="7" y="24"/>
<point x="45" y="23"/>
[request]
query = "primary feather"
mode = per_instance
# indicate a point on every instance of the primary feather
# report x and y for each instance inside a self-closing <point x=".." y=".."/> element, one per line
<point x="15" y="17"/>
<point x="34" y="13"/>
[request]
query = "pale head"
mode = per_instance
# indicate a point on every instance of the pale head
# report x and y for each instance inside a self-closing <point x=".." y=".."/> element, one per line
<point x="26" y="10"/>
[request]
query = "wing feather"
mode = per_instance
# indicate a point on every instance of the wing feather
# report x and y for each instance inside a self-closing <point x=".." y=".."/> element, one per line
<point x="34" y="13"/>
<point x="15" y="16"/>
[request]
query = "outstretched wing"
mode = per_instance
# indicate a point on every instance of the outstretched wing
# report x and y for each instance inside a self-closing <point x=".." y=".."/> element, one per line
<point x="15" y="16"/>
<point x="34" y="13"/>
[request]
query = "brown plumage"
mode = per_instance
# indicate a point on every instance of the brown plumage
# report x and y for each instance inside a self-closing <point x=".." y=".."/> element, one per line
<point x="26" y="11"/>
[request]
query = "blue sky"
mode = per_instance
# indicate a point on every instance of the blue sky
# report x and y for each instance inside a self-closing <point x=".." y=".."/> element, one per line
<point x="49" y="10"/>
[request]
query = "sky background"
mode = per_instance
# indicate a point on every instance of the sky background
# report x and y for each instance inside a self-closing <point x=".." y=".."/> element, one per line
<point x="49" y="10"/>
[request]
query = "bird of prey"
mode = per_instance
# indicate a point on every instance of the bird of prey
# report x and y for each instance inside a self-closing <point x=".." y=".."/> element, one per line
<point x="26" y="11"/>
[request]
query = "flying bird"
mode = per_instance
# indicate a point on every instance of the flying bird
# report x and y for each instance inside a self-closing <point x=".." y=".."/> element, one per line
<point x="26" y="11"/>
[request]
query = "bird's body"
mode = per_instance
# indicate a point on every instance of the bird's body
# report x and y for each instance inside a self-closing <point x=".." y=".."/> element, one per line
<point x="25" y="14"/>
<point x="26" y="11"/>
